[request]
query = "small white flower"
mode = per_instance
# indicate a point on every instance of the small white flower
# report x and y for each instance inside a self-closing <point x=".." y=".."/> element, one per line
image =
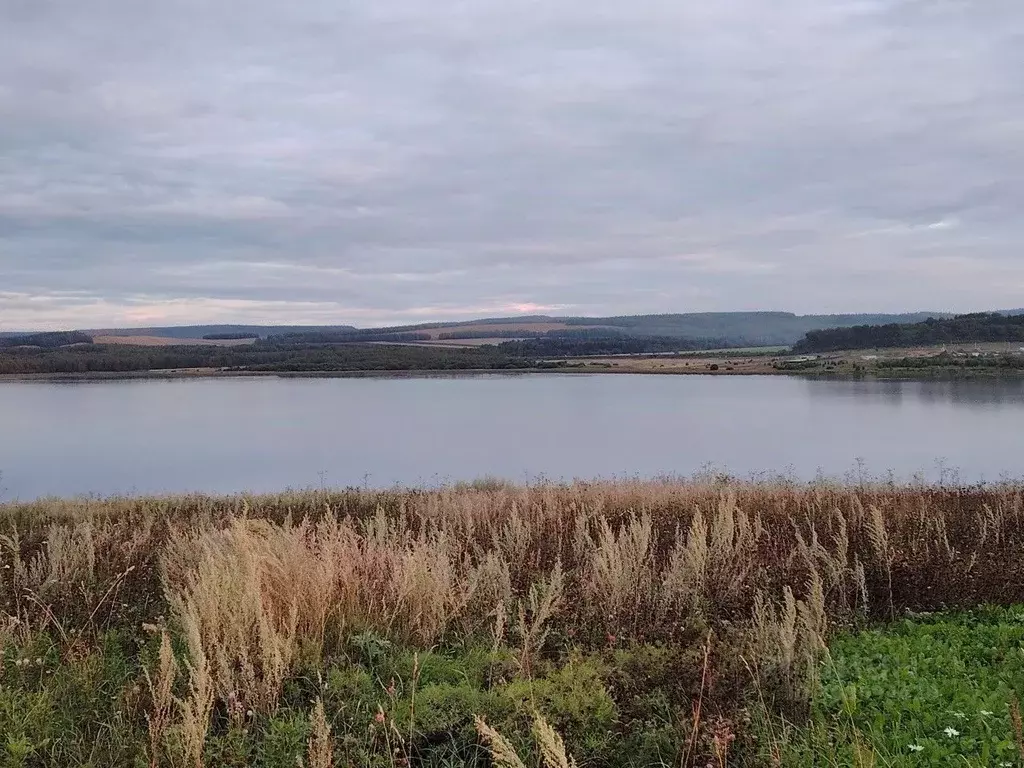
<point x="1005" y="764"/>
<point x="951" y="732"/>
<point x="959" y="715"/>
<point x="985" y="713"/>
<point x="915" y="747"/>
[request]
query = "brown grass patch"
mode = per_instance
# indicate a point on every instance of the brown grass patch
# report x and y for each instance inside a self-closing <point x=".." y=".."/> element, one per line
<point x="163" y="341"/>
<point x="484" y="327"/>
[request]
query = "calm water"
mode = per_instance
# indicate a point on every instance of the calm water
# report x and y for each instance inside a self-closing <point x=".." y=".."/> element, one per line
<point x="267" y="434"/>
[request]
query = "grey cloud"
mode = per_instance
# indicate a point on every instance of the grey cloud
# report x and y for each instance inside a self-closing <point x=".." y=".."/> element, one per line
<point x="366" y="162"/>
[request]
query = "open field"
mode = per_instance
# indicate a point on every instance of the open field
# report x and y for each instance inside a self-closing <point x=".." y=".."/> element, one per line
<point x="167" y="341"/>
<point x="537" y="327"/>
<point x="626" y="624"/>
<point x="683" y="364"/>
<point x="465" y="342"/>
<point x="445" y="343"/>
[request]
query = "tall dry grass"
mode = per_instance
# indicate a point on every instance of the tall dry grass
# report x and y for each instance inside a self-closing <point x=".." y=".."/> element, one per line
<point x="251" y="584"/>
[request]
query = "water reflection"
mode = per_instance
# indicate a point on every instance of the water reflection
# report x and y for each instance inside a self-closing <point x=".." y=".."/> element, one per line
<point x="976" y="392"/>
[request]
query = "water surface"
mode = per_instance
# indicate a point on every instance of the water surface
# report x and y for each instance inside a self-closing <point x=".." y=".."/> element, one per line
<point x="265" y="434"/>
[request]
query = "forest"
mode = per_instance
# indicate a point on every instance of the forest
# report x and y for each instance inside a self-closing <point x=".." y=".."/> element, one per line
<point x="49" y="340"/>
<point x="975" y="327"/>
<point x="264" y="356"/>
<point x="586" y="345"/>
<point x="238" y="336"/>
<point x="341" y="337"/>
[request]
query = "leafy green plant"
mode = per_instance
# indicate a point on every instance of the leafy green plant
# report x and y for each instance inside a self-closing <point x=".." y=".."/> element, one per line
<point x="926" y="690"/>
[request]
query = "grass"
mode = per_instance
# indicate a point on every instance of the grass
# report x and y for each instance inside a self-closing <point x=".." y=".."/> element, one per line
<point x="605" y="624"/>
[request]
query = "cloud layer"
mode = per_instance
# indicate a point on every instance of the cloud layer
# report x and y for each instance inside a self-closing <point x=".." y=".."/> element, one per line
<point x="366" y="163"/>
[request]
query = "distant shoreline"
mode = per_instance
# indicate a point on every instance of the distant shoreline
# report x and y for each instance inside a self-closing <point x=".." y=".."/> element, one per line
<point x="383" y="374"/>
<point x="897" y="374"/>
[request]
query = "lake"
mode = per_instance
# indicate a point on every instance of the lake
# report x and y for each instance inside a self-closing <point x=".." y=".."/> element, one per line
<point x="266" y="434"/>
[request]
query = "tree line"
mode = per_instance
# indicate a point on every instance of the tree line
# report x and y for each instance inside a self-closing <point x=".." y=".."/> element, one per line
<point x="118" y="358"/>
<point x="586" y="345"/>
<point x="974" y="327"/>
<point x="47" y="340"/>
<point x="341" y="337"/>
<point x="230" y="336"/>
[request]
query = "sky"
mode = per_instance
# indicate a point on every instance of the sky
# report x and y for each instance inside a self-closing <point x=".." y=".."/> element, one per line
<point x="391" y="161"/>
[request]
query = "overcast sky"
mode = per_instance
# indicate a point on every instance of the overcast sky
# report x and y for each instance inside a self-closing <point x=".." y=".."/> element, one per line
<point x="388" y="161"/>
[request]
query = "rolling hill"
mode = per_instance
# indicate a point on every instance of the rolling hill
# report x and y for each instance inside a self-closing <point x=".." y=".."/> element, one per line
<point x="729" y="328"/>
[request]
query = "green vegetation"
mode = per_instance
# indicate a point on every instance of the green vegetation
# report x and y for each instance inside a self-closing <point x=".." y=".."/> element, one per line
<point x="344" y="349"/>
<point x="979" y="327"/>
<point x="51" y="340"/>
<point x="342" y="337"/>
<point x="955" y="363"/>
<point x="567" y="344"/>
<point x="621" y="624"/>
<point x="733" y="328"/>
<point x="237" y="336"/>
<point x="927" y="690"/>
<point x="268" y="355"/>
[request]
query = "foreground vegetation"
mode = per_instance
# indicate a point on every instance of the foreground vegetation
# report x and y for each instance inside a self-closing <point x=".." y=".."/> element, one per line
<point x="927" y="690"/>
<point x="626" y="624"/>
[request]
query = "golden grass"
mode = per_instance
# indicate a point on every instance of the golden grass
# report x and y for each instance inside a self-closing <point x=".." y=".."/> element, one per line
<point x="251" y="584"/>
<point x="321" y="745"/>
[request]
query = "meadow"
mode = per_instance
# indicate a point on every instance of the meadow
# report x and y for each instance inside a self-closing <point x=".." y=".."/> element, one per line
<point x="663" y="623"/>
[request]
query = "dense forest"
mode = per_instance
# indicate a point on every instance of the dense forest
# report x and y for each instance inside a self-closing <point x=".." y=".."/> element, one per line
<point x="342" y="337"/>
<point x="230" y="336"/>
<point x="48" y="340"/>
<point x="977" y="327"/>
<point x="585" y="345"/>
<point x="258" y="357"/>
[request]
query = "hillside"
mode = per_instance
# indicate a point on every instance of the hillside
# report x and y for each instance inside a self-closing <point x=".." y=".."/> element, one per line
<point x="744" y="328"/>
<point x="730" y="328"/>
<point x="976" y="327"/>
<point x="45" y="340"/>
<point x="737" y="329"/>
<point x="199" y="331"/>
